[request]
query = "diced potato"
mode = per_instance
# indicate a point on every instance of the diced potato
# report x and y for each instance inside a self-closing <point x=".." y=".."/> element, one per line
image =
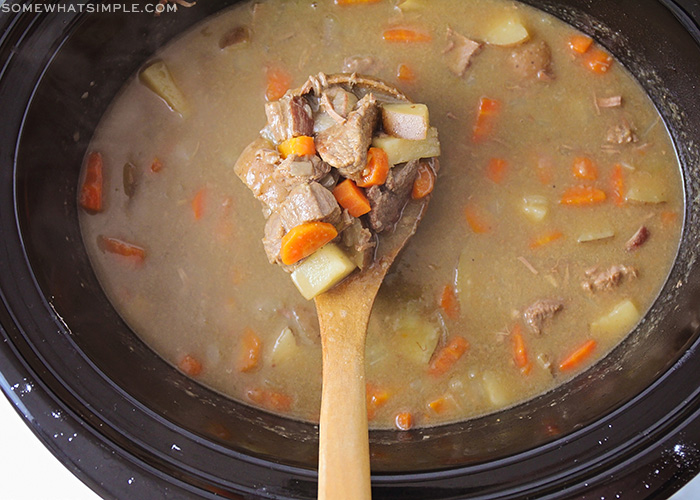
<point x="506" y="33"/>
<point x="406" y="120"/>
<point x="412" y="5"/>
<point x="496" y="390"/>
<point x="285" y="348"/>
<point x="415" y="338"/>
<point x="157" y="78"/>
<point x="322" y="270"/>
<point x="596" y="234"/>
<point x="535" y="207"/>
<point x="402" y="150"/>
<point x="644" y="187"/>
<point x="618" y="321"/>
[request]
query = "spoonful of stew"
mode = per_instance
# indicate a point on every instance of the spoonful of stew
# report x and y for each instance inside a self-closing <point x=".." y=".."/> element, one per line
<point x="344" y="169"/>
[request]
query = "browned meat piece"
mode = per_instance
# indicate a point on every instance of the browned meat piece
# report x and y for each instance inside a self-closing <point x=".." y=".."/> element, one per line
<point x="344" y="145"/>
<point x="316" y="84"/>
<point x="307" y="203"/>
<point x="360" y="240"/>
<point x="360" y="64"/>
<point x="289" y="117"/>
<point x="234" y="36"/>
<point x="459" y="52"/>
<point x="532" y="61"/>
<point x="255" y="167"/>
<point x="294" y="170"/>
<point x="621" y="133"/>
<point x="609" y="102"/>
<point x="638" y="239"/>
<point x="338" y="102"/>
<point x="387" y="201"/>
<point x="539" y="312"/>
<point x="608" y="279"/>
<point x="272" y="242"/>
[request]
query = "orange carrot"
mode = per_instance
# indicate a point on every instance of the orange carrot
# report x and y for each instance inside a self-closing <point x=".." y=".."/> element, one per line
<point x="424" y="183"/>
<point x="190" y="366"/>
<point x="520" y="350"/>
<point x="300" y="146"/>
<point x="476" y="219"/>
<point x="449" y="302"/>
<point x="405" y="73"/>
<point x="578" y="356"/>
<point x="355" y="2"/>
<point x="496" y="170"/>
<point x="598" y="61"/>
<point x="404" y="420"/>
<point x="249" y="353"/>
<point x="618" y="185"/>
<point x="352" y="198"/>
<point x="487" y="112"/>
<point x="272" y="400"/>
<point x="582" y="195"/>
<point x="446" y="357"/>
<point x="156" y="165"/>
<point x="406" y="35"/>
<point x="278" y="82"/>
<point x="545" y="239"/>
<point x="198" y="203"/>
<point x="441" y="404"/>
<point x="304" y="239"/>
<point x="91" y="191"/>
<point x="377" y="169"/>
<point x="668" y="217"/>
<point x="584" y="168"/>
<point x="376" y="398"/>
<point x="580" y="43"/>
<point x="120" y="247"/>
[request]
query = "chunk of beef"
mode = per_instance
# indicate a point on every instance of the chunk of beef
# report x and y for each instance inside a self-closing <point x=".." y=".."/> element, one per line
<point x="459" y="51"/>
<point x="344" y="145"/>
<point x="294" y="170"/>
<point x="291" y="116"/>
<point x="338" y="102"/>
<point x="539" y="312"/>
<point x="608" y="279"/>
<point x="637" y="239"/>
<point x="359" y="240"/>
<point x="387" y="201"/>
<point x="272" y="242"/>
<point x="532" y="61"/>
<point x="256" y="167"/>
<point x="307" y="203"/>
<point x="621" y="133"/>
<point x="609" y="102"/>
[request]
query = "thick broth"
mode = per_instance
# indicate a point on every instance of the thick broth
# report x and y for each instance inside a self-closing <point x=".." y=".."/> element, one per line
<point x="483" y="254"/>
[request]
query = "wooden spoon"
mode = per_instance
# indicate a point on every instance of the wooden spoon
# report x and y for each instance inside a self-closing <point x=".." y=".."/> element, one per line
<point x="343" y="314"/>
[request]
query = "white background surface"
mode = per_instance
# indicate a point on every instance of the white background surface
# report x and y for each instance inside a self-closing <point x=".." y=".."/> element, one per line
<point x="28" y="471"/>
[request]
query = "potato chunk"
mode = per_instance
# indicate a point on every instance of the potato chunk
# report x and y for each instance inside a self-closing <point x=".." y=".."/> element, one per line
<point x="322" y="270"/>
<point x="416" y="338"/>
<point x="506" y="33"/>
<point x="403" y="150"/>
<point x="156" y="76"/>
<point x="618" y="321"/>
<point x="644" y="187"/>
<point x="405" y="120"/>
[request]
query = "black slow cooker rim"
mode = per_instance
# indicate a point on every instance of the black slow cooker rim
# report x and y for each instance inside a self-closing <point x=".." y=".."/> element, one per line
<point x="39" y="404"/>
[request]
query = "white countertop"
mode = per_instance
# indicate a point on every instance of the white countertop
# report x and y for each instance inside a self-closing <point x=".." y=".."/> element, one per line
<point x="22" y="455"/>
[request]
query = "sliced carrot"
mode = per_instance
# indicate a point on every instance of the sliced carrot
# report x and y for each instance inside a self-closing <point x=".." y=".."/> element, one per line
<point x="580" y="43"/>
<point x="405" y="73"/>
<point x="477" y="220"/>
<point x="449" y="302"/>
<point x="355" y="2"/>
<point x="278" y="81"/>
<point x="302" y="145"/>
<point x="668" y="217"/>
<point x="304" y="239"/>
<point x="424" y="183"/>
<point x="156" y="165"/>
<point x="406" y="35"/>
<point x="520" y="350"/>
<point x="545" y="239"/>
<point x="578" y="355"/>
<point x="120" y="247"/>
<point x="404" y="420"/>
<point x="376" y="398"/>
<point x="496" y="170"/>
<point x="598" y="61"/>
<point x="377" y="169"/>
<point x="618" y="185"/>
<point x="91" y="191"/>
<point x="441" y="405"/>
<point x="249" y="352"/>
<point x="446" y="357"/>
<point x="272" y="400"/>
<point x="351" y="198"/>
<point x="583" y="195"/>
<point x="190" y="366"/>
<point x="584" y="168"/>
<point x="487" y="112"/>
<point x="198" y="203"/>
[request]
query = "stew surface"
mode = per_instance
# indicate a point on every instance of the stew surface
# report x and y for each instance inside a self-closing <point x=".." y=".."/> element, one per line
<point x="553" y="225"/>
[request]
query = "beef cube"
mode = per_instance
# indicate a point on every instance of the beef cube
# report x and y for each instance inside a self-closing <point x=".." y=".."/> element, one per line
<point x="289" y="117"/>
<point x="307" y="203"/>
<point x="621" y="133"/>
<point x="459" y="52"/>
<point x="638" y="239"/>
<point x="256" y="168"/>
<point x="539" y="312"/>
<point x="387" y="201"/>
<point x="272" y="242"/>
<point x="294" y="170"/>
<point x="608" y="279"/>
